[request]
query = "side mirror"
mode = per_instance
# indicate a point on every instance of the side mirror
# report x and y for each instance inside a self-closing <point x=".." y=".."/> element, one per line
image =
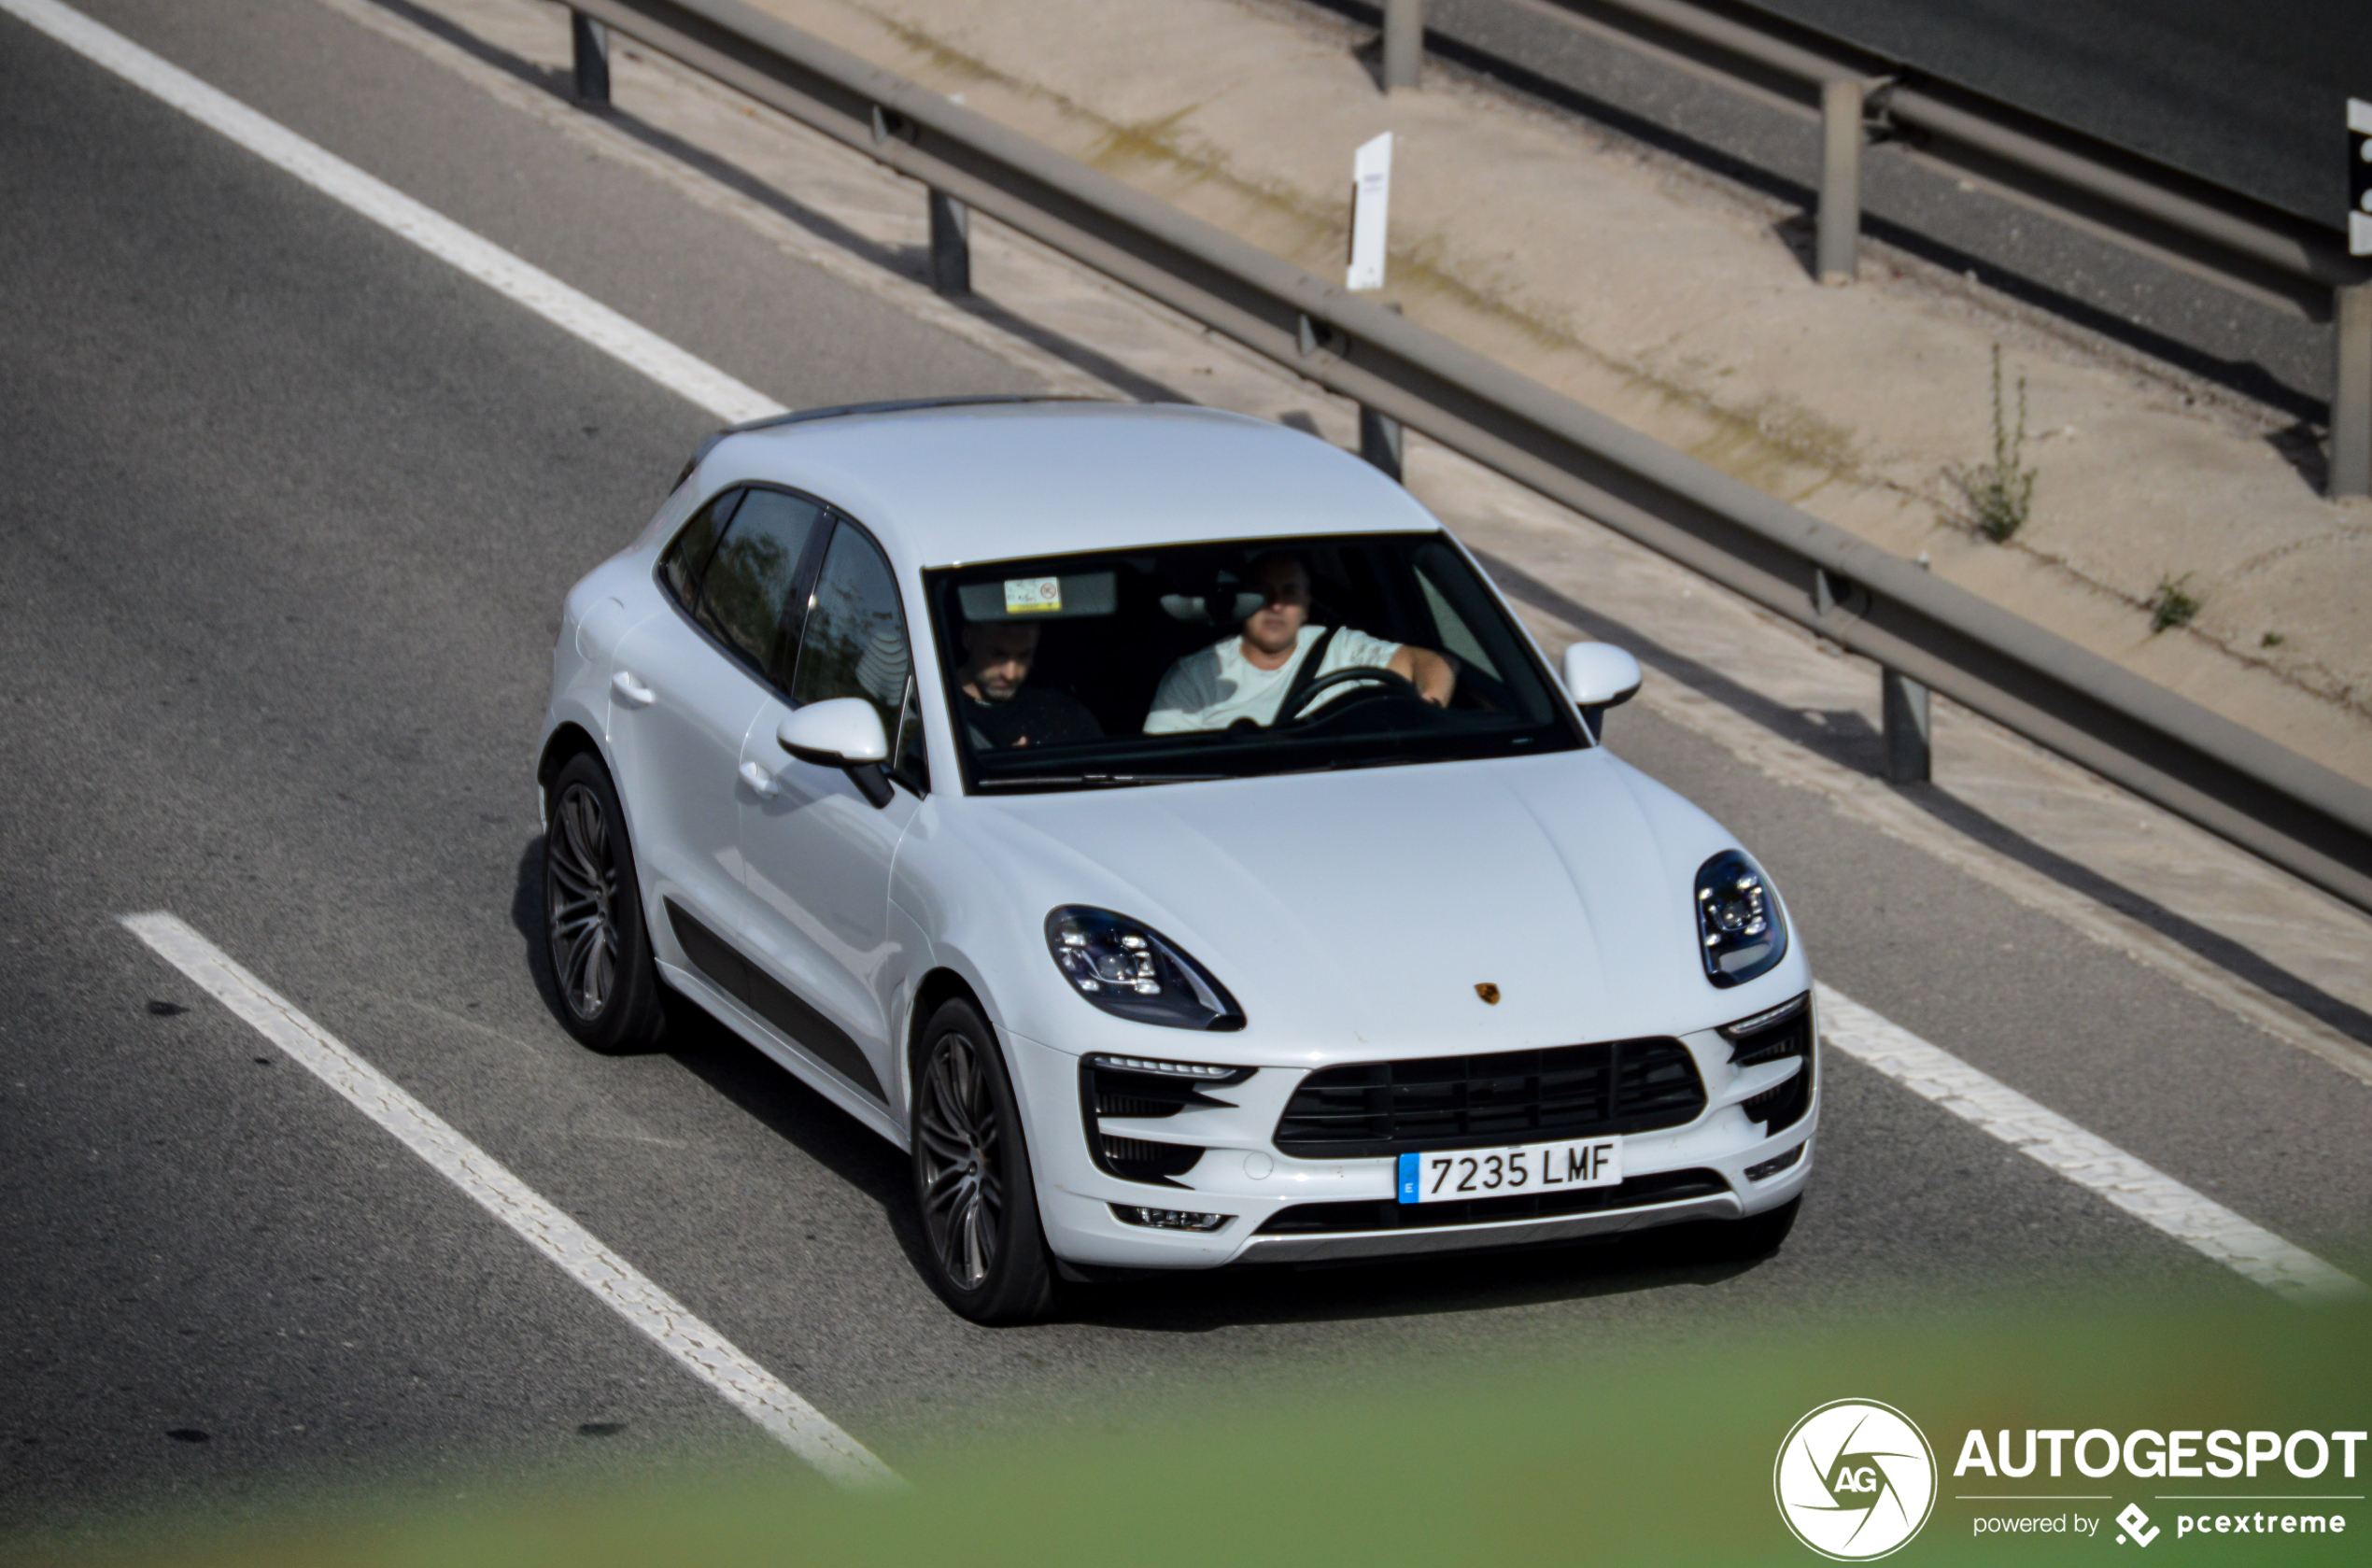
<point x="1599" y="677"/>
<point x="843" y="732"/>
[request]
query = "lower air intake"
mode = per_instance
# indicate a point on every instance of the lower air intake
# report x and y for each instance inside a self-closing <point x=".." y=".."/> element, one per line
<point x="1783" y="1105"/>
<point x="1107" y="1091"/>
<point x="1136" y="1159"/>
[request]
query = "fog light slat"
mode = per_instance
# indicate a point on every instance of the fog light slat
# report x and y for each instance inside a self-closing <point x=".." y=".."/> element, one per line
<point x="1168" y="1219"/>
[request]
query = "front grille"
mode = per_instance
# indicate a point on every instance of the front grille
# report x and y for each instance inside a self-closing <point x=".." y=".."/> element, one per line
<point x="1783" y="1105"/>
<point x="1386" y="1214"/>
<point x="1507" y="1096"/>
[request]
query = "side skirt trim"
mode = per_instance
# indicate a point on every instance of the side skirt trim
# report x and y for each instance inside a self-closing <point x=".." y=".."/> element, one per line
<point x="746" y="984"/>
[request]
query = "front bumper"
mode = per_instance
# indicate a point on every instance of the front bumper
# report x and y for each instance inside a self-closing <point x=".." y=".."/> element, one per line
<point x="1499" y="1233"/>
<point x="1244" y="1177"/>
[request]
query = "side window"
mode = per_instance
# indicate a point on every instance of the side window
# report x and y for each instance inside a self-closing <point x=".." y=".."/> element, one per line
<point x="680" y="569"/>
<point x="750" y="577"/>
<point x="910" y="760"/>
<point x="856" y="640"/>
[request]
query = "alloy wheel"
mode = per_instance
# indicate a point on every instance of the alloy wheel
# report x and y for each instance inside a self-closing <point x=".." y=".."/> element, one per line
<point x="580" y="902"/>
<point x="962" y="1193"/>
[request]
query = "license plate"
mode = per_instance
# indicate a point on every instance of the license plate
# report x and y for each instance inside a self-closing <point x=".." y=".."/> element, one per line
<point x="1496" y="1173"/>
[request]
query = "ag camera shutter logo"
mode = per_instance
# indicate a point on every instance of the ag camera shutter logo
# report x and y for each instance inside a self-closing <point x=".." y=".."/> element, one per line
<point x="1854" y="1479"/>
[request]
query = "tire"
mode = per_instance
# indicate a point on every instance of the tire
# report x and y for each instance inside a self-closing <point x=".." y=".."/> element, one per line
<point x="984" y="1252"/>
<point x="594" y="933"/>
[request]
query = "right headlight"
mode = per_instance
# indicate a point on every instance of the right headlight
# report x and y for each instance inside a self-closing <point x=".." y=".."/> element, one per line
<point x="1132" y="971"/>
<point x="1740" y="931"/>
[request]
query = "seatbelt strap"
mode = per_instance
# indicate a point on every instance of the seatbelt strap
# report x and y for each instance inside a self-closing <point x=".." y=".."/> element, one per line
<point x="1307" y="675"/>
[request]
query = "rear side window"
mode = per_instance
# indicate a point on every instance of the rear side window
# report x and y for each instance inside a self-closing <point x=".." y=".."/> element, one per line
<point x="680" y="569"/>
<point x="856" y="637"/>
<point x="748" y="583"/>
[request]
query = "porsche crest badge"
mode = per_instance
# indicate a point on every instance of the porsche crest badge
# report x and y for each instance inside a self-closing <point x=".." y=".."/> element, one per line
<point x="1488" y="992"/>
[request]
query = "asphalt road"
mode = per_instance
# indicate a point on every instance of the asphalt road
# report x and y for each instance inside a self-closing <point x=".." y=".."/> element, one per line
<point x="290" y="508"/>
<point x="2254" y="97"/>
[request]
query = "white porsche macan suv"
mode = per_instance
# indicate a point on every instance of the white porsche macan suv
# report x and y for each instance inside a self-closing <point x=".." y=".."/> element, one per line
<point x="1153" y="820"/>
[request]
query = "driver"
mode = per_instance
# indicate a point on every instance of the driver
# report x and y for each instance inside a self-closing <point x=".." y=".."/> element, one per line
<point x="1247" y="677"/>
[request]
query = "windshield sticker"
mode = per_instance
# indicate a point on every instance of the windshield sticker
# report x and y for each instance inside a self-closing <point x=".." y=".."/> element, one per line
<point x="1031" y="596"/>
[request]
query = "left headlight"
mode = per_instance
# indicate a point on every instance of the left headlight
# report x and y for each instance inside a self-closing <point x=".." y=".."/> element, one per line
<point x="1132" y="971"/>
<point x="1740" y="931"/>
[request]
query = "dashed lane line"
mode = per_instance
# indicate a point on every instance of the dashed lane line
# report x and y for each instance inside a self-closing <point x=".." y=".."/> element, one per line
<point x="698" y="1349"/>
<point x="576" y="313"/>
<point x="2142" y="1190"/>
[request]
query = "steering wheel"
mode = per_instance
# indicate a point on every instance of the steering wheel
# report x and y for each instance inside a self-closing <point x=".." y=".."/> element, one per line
<point x="1367" y="674"/>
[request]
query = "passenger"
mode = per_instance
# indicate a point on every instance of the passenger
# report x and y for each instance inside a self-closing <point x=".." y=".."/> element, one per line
<point x="1247" y="677"/>
<point x="1000" y="710"/>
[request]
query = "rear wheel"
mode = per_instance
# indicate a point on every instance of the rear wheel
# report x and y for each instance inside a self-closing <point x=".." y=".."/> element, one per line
<point x="986" y="1252"/>
<point x="594" y="931"/>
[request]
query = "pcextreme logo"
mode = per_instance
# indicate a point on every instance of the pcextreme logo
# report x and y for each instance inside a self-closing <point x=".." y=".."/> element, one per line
<point x="1854" y="1479"/>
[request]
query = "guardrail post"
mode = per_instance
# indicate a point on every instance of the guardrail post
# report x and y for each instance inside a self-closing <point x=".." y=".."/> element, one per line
<point x="591" y="43"/>
<point x="2351" y="393"/>
<point x="1837" y="252"/>
<point x="1403" y="42"/>
<point x="1379" y="440"/>
<point x="951" y="246"/>
<point x="1910" y="730"/>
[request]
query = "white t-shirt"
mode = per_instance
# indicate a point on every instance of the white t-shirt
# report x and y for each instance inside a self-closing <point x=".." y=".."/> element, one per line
<point x="1215" y="687"/>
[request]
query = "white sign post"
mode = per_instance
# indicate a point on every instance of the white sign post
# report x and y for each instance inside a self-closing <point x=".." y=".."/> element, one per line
<point x="2359" y="178"/>
<point x="1370" y="201"/>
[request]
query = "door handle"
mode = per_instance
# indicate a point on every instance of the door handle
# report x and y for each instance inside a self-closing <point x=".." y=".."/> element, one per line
<point x="631" y="692"/>
<point x="760" y="781"/>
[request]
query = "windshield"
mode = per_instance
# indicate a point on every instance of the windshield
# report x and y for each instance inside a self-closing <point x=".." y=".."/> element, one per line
<point x="1201" y="661"/>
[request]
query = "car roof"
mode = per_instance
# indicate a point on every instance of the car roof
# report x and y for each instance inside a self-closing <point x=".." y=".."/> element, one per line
<point x="942" y="485"/>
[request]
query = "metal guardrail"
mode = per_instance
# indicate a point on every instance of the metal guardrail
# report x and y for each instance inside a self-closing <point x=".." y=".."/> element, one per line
<point x="2289" y="809"/>
<point x="2226" y="238"/>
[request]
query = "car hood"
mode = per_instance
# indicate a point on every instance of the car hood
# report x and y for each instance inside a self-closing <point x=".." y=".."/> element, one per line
<point x="1359" y="912"/>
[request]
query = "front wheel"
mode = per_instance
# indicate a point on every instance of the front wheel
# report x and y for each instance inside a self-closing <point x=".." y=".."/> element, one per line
<point x="986" y="1254"/>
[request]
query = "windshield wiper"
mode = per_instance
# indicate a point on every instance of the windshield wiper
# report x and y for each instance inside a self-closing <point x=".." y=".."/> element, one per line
<point x="1099" y="781"/>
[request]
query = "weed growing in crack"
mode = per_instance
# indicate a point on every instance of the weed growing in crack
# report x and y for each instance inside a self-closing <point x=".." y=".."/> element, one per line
<point x="2173" y="604"/>
<point x="1999" y="494"/>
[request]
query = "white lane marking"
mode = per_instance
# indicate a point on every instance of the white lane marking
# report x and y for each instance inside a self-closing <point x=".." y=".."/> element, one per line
<point x="596" y="323"/>
<point x="756" y="1392"/>
<point x="2140" y="1190"/>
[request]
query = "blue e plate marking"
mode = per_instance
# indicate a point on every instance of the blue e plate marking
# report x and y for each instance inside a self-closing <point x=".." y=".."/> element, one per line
<point x="1408" y="1178"/>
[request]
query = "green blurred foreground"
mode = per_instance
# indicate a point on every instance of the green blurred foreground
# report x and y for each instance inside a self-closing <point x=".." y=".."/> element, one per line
<point x="1659" y="1456"/>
